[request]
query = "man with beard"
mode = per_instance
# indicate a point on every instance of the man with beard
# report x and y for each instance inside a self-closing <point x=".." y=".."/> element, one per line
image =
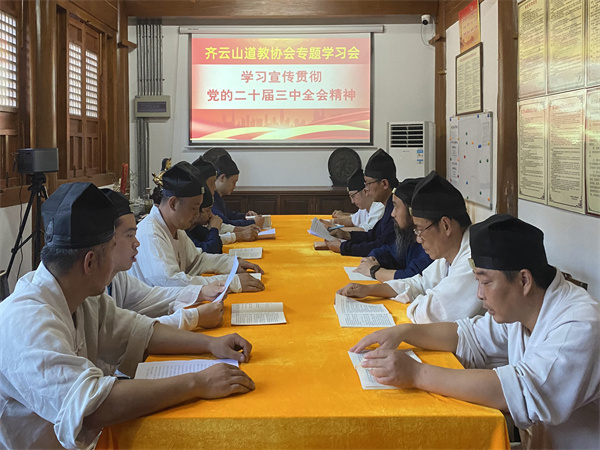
<point x="447" y="289"/>
<point x="405" y="257"/>
<point x="534" y="354"/>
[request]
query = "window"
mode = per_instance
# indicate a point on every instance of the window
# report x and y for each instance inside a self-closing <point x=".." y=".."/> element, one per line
<point x="86" y="121"/>
<point x="9" y="120"/>
<point x="8" y="61"/>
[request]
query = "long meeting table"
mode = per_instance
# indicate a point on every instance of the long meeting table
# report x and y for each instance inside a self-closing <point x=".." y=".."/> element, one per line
<point x="308" y="394"/>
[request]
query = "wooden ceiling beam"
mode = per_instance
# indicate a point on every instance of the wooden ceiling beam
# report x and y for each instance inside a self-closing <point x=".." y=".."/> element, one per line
<point x="276" y="9"/>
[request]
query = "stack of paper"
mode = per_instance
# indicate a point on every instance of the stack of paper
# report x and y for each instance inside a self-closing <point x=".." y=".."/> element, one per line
<point x="366" y="379"/>
<point x="352" y="313"/>
<point x="319" y="230"/>
<point x="247" y="253"/>
<point x="267" y="234"/>
<point x="165" y="369"/>
<point x="354" y="276"/>
<point x="257" y="313"/>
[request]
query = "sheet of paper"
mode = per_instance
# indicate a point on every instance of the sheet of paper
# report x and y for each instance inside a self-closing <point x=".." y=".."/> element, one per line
<point x="319" y="230"/>
<point x="256" y="275"/>
<point x="370" y="320"/>
<point x="355" y="276"/>
<point x="267" y="222"/>
<point x="366" y="379"/>
<point x="236" y="263"/>
<point x="164" y="369"/>
<point x="267" y="234"/>
<point x="347" y="305"/>
<point x="257" y="313"/>
<point x="247" y="253"/>
<point x="352" y="313"/>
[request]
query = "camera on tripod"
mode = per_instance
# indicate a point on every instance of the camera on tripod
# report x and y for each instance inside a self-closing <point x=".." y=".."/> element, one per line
<point x="35" y="162"/>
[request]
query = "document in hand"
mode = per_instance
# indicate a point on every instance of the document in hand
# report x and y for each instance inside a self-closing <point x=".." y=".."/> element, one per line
<point x="366" y="379"/>
<point x="353" y="314"/>
<point x="165" y="369"/>
<point x="319" y="230"/>
<point x="236" y="263"/>
<point x="354" y="276"/>
<point x="257" y="313"/>
<point x="267" y="222"/>
<point x="247" y="253"/>
<point x="267" y="234"/>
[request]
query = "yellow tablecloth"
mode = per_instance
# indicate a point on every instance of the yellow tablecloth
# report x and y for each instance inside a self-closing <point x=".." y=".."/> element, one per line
<point x="308" y="394"/>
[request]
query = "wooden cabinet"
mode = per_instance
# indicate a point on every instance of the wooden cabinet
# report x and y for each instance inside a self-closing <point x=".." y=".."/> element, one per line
<point x="290" y="200"/>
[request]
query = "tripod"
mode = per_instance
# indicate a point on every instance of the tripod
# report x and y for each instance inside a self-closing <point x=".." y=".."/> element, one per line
<point x="38" y="191"/>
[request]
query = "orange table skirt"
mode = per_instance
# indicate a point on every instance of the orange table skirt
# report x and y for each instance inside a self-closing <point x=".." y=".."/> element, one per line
<point x="308" y="395"/>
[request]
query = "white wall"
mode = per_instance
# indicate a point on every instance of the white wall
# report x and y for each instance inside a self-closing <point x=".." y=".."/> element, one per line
<point x="403" y="91"/>
<point x="572" y="241"/>
<point x="10" y="219"/>
<point x="489" y="38"/>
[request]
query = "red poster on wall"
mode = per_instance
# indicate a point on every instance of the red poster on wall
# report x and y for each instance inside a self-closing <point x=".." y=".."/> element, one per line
<point x="469" y="27"/>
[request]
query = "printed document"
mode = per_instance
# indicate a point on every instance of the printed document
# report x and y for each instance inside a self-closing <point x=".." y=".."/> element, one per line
<point x="236" y="263"/>
<point x="257" y="313"/>
<point x="355" y="276"/>
<point x="164" y="369"/>
<point x="247" y="253"/>
<point x="319" y="230"/>
<point x="366" y="379"/>
<point x="352" y="313"/>
<point x="267" y="222"/>
<point x="267" y="234"/>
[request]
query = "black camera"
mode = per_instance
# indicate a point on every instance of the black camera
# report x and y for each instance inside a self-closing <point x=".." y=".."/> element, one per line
<point x="37" y="160"/>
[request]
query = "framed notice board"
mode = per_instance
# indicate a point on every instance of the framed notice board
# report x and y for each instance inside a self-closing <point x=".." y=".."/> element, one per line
<point x="469" y="150"/>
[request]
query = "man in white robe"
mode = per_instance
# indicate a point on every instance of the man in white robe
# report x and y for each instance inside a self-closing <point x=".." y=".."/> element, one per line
<point x="167" y="256"/>
<point x="369" y="212"/>
<point x="61" y="338"/>
<point x="447" y="289"/>
<point x="175" y="306"/>
<point x="228" y="233"/>
<point x="534" y="354"/>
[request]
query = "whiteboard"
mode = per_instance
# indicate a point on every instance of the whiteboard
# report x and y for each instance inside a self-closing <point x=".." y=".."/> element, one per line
<point x="469" y="152"/>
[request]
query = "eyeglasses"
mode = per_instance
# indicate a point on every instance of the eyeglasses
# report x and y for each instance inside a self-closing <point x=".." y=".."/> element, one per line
<point x="352" y="195"/>
<point x="371" y="182"/>
<point x="418" y="233"/>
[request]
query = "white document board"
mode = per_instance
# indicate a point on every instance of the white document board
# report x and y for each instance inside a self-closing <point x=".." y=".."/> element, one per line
<point x="469" y="153"/>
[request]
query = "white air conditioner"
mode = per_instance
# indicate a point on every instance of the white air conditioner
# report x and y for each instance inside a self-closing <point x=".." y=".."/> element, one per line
<point x="412" y="145"/>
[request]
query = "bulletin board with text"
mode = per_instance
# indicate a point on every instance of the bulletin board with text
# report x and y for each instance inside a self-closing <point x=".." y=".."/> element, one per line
<point x="559" y="104"/>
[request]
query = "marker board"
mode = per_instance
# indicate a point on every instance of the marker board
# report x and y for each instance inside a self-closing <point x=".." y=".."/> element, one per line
<point x="469" y="153"/>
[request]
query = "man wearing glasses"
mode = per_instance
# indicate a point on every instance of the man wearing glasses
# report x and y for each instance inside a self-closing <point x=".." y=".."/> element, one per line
<point x="447" y="289"/>
<point x="534" y="354"/>
<point x="380" y="180"/>
<point x="369" y="212"/>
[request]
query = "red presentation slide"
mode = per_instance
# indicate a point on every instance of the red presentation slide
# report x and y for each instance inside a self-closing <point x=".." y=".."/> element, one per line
<point x="273" y="90"/>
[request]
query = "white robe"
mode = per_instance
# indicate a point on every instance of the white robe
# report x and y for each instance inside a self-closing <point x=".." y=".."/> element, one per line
<point x="367" y="219"/>
<point x="165" y="261"/>
<point x="551" y="377"/>
<point x="443" y="292"/>
<point x="50" y="375"/>
<point x="227" y="234"/>
<point x="164" y="303"/>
